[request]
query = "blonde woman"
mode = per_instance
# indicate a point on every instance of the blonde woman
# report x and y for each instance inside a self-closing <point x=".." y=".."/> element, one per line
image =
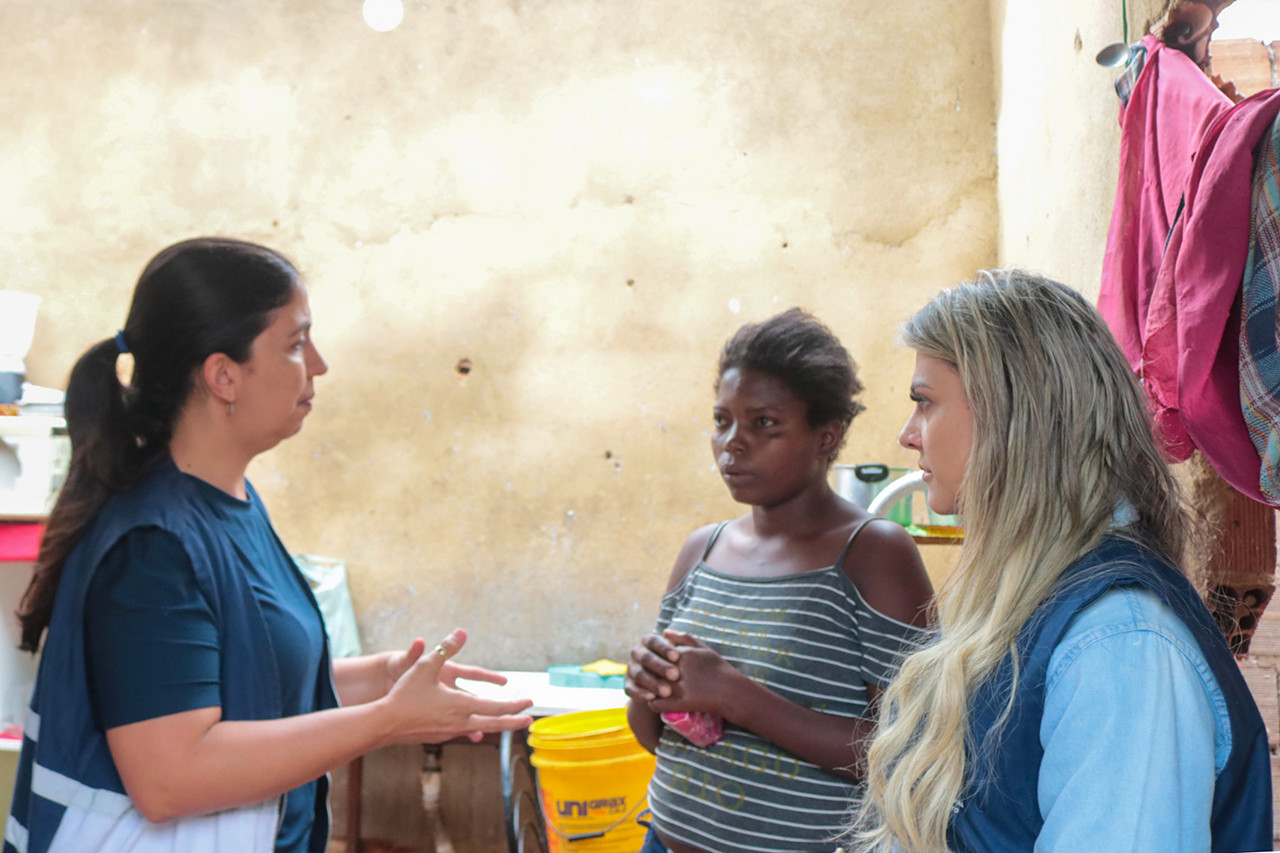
<point x="1079" y="696"/>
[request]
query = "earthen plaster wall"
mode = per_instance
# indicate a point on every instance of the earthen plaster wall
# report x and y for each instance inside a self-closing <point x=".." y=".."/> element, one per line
<point x="1059" y="132"/>
<point x="581" y="199"/>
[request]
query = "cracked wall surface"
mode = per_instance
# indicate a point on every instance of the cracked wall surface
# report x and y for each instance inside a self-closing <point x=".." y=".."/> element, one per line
<point x="1059" y="132"/>
<point x="581" y="199"/>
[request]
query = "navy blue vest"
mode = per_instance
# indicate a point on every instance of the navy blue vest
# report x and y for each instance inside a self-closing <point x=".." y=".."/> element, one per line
<point x="69" y="741"/>
<point x="999" y="811"/>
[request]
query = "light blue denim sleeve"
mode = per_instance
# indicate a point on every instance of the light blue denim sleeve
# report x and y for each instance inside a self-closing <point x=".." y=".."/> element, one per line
<point x="1135" y="731"/>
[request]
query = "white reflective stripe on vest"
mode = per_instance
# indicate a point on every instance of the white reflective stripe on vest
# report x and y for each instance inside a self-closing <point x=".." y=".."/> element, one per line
<point x="16" y="834"/>
<point x="248" y="829"/>
<point x="31" y="726"/>
<point x="68" y="792"/>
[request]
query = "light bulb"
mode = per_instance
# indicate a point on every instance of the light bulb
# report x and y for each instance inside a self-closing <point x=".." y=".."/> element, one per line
<point x="383" y="15"/>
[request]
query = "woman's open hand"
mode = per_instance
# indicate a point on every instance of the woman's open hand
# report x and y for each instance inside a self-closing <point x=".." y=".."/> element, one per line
<point x="398" y="663"/>
<point x="425" y="705"/>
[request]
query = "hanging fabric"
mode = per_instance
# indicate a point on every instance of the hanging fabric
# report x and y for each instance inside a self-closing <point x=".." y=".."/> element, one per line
<point x="1176" y="254"/>
<point x="1190" y="362"/>
<point x="1167" y="110"/>
<point x="1260" y="320"/>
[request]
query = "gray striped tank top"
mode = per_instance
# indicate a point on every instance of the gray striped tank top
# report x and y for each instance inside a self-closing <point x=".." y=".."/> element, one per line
<point x="808" y="637"/>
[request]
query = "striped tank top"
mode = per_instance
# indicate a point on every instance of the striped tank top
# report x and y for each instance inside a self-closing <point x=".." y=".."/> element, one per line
<point x="810" y="638"/>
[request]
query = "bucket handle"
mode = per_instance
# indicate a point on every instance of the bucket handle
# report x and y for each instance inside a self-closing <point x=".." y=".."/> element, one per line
<point x="599" y="833"/>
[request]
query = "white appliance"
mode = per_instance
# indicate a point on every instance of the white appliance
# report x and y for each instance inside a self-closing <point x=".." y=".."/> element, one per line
<point x="34" y="455"/>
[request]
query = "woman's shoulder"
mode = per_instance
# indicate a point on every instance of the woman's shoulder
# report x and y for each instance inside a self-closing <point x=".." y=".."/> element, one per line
<point x="1121" y="578"/>
<point x="884" y="564"/>
<point x="148" y="503"/>
<point x="162" y="492"/>
<point x="1126" y="609"/>
<point x="693" y="550"/>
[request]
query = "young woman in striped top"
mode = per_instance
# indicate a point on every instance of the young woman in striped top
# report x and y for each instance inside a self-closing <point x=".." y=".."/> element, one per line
<point x="787" y="622"/>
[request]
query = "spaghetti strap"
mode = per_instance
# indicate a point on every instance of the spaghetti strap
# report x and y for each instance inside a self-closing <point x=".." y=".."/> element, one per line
<point x="715" y="534"/>
<point x="852" y="536"/>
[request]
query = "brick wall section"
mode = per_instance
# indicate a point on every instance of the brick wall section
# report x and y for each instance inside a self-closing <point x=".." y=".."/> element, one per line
<point x="1248" y="63"/>
<point x="1260" y="672"/>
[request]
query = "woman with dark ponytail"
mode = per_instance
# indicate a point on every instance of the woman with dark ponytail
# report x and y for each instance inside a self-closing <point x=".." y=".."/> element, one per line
<point x="186" y="700"/>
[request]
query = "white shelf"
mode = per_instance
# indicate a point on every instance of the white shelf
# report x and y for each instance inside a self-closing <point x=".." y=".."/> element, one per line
<point x="14" y="425"/>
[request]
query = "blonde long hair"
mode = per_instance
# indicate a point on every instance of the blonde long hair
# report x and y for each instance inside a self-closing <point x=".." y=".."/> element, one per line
<point x="1062" y="438"/>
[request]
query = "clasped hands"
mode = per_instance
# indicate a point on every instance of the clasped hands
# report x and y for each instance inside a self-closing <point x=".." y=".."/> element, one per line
<point x="675" y="671"/>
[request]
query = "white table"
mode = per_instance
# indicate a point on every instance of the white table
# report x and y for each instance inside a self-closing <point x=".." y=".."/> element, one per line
<point x="547" y="699"/>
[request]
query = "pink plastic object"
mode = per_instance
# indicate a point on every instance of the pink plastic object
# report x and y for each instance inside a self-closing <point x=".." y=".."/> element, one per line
<point x="700" y="728"/>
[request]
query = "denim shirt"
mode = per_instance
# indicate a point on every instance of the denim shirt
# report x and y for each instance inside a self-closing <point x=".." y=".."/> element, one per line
<point x="1114" y="735"/>
<point x="1142" y="780"/>
<point x="1110" y="781"/>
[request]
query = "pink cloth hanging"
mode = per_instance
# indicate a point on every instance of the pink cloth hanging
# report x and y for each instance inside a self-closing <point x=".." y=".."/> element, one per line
<point x="1171" y="103"/>
<point x="1171" y="281"/>
<point x="1191" y="350"/>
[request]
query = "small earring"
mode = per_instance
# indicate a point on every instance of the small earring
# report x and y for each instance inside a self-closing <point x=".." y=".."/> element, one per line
<point x="231" y="408"/>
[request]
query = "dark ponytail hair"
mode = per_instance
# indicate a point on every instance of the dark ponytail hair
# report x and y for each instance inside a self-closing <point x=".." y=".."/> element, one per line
<point x="194" y="299"/>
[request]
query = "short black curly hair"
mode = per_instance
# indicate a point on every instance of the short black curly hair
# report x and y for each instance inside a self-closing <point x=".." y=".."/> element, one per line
<point x="795" y="348"/>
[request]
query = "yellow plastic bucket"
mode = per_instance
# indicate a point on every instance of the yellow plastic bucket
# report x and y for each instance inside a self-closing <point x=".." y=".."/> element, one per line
<point x="592" y="777"/>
